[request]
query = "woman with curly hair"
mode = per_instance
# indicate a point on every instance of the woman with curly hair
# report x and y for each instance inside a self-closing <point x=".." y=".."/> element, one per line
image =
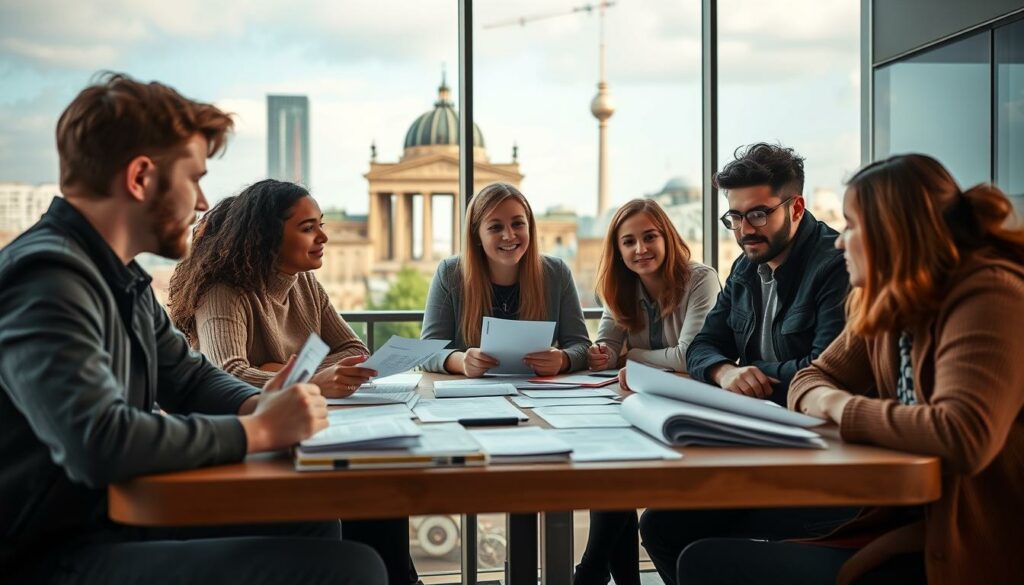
<point x="247" y="298"/>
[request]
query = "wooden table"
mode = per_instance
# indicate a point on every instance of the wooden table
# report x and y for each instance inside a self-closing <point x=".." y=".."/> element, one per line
<point x="268" y="489"/>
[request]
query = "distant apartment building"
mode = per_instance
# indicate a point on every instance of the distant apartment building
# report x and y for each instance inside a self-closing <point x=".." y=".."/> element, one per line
<point x="288" y="138"/>
<point x="21" y="205"/>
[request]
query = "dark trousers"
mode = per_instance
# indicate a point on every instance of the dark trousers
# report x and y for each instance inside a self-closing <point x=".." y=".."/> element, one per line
<point x="613" y="550"/>
<point x="732" y="561"/>
<point x="309" y="553"/>
<point x="390" y="539"/>
<point x="665" y="533"/>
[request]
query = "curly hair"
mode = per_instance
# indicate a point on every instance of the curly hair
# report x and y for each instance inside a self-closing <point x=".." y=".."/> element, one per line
<point x="774" y="165"/>
<point x="236" y="244"/>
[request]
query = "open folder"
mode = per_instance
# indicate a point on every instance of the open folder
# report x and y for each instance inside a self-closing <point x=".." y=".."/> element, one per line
<point x="679" y="411"/>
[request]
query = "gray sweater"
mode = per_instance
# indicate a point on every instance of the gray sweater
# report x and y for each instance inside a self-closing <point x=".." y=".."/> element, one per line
<point x="444" y="310"/>
<point x="678" y="328"/>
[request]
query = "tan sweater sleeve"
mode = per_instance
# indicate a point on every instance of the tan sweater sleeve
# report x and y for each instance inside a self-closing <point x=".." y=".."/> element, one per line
<point x="979" y="382"/>
<point x="336" y="333"/>
<point x="844" y="365"/>
<point x="222" y="323"/>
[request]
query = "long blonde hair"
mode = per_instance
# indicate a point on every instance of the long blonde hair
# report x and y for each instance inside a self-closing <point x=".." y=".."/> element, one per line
<point x="477" y="296"/>
<point x="918" y="226"/>
<point x="616" y="283"/>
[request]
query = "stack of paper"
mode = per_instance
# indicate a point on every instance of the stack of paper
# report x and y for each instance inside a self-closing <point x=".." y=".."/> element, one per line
<point x="377" y="432"/>
<point x="613" y="445"/>
<point x="347" y="415"/>
<point x="471" y="387"/>
<point x="571" y="393"/>
<point x="582" y="417"/>
<point x="679" y="411"/>
<point x="394" y="389"/>
<point x="438" y="445"/>
<point x="527" y="402"/>
<point x="455" y="409"/>
<point x="581" y="380"/>
<point x="522" y="445"/>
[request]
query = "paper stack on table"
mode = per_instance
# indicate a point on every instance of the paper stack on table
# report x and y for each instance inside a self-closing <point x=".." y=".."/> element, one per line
<point x="471" y="387"/>
<point x="438" y="445"/>
<point x="455" y="409"/>
<point x="613" y="445"/>
<point x="377" y="432"/>
<point x="348" y="415"/>
<point x="522" y="445"/>
<point x="528" y="402"/>
<point x="582" y="417"/>
<point x="570" y="393"/>
<point x="679" y="411"/>
<point x="394" y="389"/>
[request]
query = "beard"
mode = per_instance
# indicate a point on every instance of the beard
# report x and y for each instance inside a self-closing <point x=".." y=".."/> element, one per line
<point x="171" y="233"/>
<point x="777" y="243"/>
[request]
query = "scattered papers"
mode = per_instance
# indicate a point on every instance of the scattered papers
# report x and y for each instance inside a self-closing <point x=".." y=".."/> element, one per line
<point x="613" y="445"/>
<point x="583" y="421"/>
<point x="471" y="387"/>
<point x="615" y="408"/>
<point x="400" y="354"/>
<point x="377" y="432"/>
<point x="680" y="423"/>
<point x="591" y="380"/>
<point x="647" y="380"/>
<point x="446" y="444"/>
<point x="393" y="383"/>
<point x="309" y="359"/>
<point x="571" y="393"/>
<point x="455" y="409"/>
<point x="527" y="402"/>
<point x="508" y="341"/>
<point x="396" y="389"/>
<point x="522" y="445"/>
<point x="348" y="415"/>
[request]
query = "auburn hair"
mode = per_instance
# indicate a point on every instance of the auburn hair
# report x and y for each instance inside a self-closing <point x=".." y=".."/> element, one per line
<point x="118" y="118"/>
<point x="477" y="295"/>
<point x="918" y="226"/>
<point x="617" y="284"/>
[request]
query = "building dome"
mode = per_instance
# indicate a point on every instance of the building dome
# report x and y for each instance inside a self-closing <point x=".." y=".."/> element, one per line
<point x="439" y="126"/>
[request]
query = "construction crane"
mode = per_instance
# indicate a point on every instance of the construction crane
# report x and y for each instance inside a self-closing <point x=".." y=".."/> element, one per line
<point x="602" y="106"/>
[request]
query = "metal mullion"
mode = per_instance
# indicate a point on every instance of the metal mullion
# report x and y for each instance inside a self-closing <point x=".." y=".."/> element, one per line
<point x="465" y="109"/>
<point x="709" y="127"/>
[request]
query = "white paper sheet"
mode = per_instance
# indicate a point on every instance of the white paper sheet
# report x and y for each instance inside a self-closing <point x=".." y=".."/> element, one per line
<point x="364" y="398"/>
<point x="606" y="377"/>
<point x="471" y="388"/>
<point x="613" y="445"/>
<point x="580" y="409"/>
<point x="347" y="415"/>
<point x="520" y="442"/>
<point x="571" y="393"/>
<point x="400" y="354"/>
<point x="508" y="341"/>
<point x="584" y="421"/>
<point x="309" y="359"/>
<point x="648" y="380"/>
<point x="453" y="409"/>
<point x="527" y="402"/>
<point x="368" y="433"/>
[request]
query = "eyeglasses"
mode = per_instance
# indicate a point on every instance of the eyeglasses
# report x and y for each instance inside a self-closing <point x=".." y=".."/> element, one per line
<point x="755" y="217"/>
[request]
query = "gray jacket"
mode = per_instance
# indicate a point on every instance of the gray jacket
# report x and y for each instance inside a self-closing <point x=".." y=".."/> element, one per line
<point x="85" y="353"/>
<point x="444" y="309"/>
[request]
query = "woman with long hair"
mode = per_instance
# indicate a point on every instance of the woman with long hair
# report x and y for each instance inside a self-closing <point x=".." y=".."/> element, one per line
<point x="929" y="362"/>
<point x="246" y="297"/>
<point x="655" y="301"/>
<point x="502" y="274"/>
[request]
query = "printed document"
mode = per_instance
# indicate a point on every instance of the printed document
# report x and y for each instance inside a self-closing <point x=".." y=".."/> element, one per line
<point x="471" y="387"/>
<point x="613" y="445"/>
<point x="401" y="353"/>
<point x="454" y="409"/>
<point x="572" y="393"/>
<point x="347" y="415"/>
<point x="522" y="445"/>
<point x="527" y="402"/>
<point x="509" y="341"/>
<point x="373" y="433"/>
<point x="309" y="359"/>
<point x="582" y="421"/>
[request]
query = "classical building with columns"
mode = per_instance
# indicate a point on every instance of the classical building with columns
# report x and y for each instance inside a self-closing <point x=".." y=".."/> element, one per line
<point x="414" y="211"/>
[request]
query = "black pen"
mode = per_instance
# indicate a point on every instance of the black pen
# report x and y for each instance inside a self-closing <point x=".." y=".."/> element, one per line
<point x="488" y="422"/>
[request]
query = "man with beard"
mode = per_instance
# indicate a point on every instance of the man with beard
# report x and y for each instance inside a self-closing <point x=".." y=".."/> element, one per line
<point x="87" y="353"/>
<point x="782" y="305"/>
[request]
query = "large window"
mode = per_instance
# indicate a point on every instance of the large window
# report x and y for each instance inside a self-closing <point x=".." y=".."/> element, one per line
<point x="1009" y="57"/>
<point x="792" y="80"/>
<point x="939" y="103"/>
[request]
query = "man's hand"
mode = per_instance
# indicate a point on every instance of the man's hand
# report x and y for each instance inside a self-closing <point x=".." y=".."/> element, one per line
<point x="344" y="377"/>
<point x="282" y="418"/>
<point x="549" y="362"/>
<point x="747" y="380"/>
<point x="598" y="357"/>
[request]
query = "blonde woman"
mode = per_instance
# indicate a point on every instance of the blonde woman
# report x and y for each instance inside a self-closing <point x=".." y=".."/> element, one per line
<point x="502" y="274"/>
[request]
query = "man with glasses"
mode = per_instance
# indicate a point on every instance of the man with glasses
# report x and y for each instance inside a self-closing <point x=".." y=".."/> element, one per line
<point x="782" y="305"/>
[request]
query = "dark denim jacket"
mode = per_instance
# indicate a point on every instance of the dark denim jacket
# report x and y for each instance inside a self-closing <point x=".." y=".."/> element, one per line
<point x="85" y="353"/>
<point x="812" y="288"/>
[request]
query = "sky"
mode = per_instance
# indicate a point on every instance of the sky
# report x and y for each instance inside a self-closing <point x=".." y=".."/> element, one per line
<point x="789" y="73"/>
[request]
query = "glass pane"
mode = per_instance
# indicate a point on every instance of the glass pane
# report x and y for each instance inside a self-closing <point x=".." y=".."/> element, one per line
<point x="1009" y="43"/>
<point x="794" y="81"/>
<point x="442" y="226"/>
<point x="546" y="120"/>
<point x="939" y="103"/>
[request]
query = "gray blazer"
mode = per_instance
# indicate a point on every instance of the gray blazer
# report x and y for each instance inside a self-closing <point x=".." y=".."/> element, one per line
<point x="444" y="309"/>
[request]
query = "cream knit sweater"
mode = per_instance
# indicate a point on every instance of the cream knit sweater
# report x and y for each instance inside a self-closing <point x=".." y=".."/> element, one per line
<point x="240" y="331"/>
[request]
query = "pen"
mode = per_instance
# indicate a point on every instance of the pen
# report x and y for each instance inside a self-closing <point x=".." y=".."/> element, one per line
<point x="488" y="422"/>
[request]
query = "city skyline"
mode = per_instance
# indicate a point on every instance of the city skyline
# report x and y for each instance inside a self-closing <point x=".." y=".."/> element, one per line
<point x="370" y="74"/>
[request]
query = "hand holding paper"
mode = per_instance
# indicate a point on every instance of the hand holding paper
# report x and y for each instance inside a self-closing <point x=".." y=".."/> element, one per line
<point x="510" y="341"/>
<point x="400" y="354"/>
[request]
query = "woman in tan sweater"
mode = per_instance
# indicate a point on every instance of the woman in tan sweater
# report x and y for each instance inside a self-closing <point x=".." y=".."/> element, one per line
<point x="930" y="362"/>
<point x="247" y="298"/>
